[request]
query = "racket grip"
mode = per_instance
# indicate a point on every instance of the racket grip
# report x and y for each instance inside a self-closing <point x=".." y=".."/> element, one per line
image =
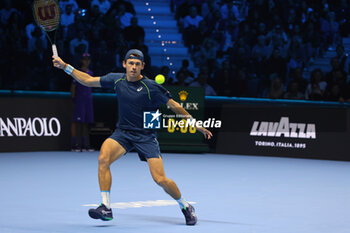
<point x="54" y="50"/>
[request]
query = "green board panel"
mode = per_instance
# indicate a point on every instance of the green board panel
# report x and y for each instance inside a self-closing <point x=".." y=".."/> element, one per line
<point x="175" y="138"/>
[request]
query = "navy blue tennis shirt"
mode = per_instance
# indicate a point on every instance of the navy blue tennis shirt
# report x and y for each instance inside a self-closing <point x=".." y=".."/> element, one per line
<point x="134" y="98"/>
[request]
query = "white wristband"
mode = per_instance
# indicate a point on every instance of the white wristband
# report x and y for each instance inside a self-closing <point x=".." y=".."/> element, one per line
<point x="69" y="69"/>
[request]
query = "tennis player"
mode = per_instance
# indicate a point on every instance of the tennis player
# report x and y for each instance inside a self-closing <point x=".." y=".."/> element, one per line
<point x="136" y="94"/>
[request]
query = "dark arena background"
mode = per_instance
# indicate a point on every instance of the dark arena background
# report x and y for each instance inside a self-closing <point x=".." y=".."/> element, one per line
<point x="269" y="78"/>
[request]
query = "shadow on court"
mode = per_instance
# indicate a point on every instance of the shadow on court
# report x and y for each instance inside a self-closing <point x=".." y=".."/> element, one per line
<point x="178" y="221"/>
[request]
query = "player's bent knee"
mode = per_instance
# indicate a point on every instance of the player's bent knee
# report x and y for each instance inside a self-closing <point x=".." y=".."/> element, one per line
<point x="161" y="180"/>
<point x="103" y="160"/>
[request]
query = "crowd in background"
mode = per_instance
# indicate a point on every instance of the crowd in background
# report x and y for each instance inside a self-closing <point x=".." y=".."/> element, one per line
<point x="262" y="48"/>
<point x="243" y="48"/>
<point x="105" y="29"/>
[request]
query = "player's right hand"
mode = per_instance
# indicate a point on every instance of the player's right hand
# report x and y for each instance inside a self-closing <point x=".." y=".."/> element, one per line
<point x="58" y="62"/>
<point x="207" y="134"/>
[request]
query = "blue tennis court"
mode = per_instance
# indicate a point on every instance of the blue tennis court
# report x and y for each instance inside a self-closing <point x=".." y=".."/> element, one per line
<point x="52" y="192"/>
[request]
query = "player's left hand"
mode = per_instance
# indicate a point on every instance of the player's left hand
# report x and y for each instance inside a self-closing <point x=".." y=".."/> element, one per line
<point x="58" y="62"/>
<point x="207" y="134"/>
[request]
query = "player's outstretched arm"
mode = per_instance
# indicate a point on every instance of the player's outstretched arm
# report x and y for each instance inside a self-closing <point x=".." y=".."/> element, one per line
<point x="81" y="77"/>
<point x="176" y="107"/>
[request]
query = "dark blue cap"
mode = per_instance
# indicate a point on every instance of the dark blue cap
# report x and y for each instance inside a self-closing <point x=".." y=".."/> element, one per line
<point x="134" y="54"/>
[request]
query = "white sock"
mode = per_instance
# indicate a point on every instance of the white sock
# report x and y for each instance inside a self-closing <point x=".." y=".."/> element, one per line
<point x="105" y="198"/>
<point x="183" y="203"/>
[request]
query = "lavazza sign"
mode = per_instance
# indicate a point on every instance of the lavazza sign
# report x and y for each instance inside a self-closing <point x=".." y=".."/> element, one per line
<point x="33" y="127"/>
<point x="285" y="129"/>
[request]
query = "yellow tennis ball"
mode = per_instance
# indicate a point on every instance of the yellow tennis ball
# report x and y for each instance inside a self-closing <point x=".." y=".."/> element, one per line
<point x="160" y="79"/>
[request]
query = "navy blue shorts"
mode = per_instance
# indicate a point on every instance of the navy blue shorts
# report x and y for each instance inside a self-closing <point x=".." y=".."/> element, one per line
<point x="146" y="145"/>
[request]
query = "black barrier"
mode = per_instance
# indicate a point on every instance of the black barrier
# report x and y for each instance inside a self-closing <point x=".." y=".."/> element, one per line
<point x="284" y="128"/>
<point x="29" y="122"/>
<point x="39" y="121"/>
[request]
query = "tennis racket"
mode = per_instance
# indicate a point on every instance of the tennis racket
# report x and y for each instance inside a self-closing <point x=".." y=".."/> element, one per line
<point x="47" y="15"/>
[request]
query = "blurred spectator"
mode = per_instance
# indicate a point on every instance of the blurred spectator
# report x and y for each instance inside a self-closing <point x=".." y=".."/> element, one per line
<point x="303" y="11"/>
<point x="112" y="31"/>
<point x="312" y="40"/>
<point x="180" y="79"/>
<point x="278" y="37"/>
<point x="227" y="8"/>
<point x="240" y="84"/>
<point x="201" y="81"/>
<point x="245" y="33"/>
<point x="105" y="58"/>
<point x="94" y="37"/>
<point x="80" y="25"/>
<point x="29" y="30"/>
<point x="6" y="12"/>
<point x="109" y="19"/>
<point x="83" y="109"/>
<point x="272" y="16"/>
<point x="202" y="33"/>
<point x="223" y="80"/>
<point x="189" y="76"/>
<point x="293" y="92"/>
<point x="134" y="34"/>
<point x="243" y="10"/>
<point x="79" y="43"/>
<point x="276" y="64"/>
<point x="67" y="18"/>
<point x="191" y="25"/>
<point x="297" y="53"/>
<point x="343" y="58"/>
<point x="217" y="27"/>
<point x="276" y="89"/>
<point x="339" y="77"/>
<point x="261" y="50"/>
<point x="36" y="40"/>
<point x="206" y="55"/>
<point x="343" y="17"/>
<point x="104" y="5"/>
<point x="208" y="7"/>
<point x="120" y="54"/>
<point x="64" y="3"/>
<point x="330" y="30"/>
<point x="334" y="93"/>
<point x="336" y="73"/>
<point x="124" y="16"/>
<point x="292" y="20"/>
<point x="299" y="78"/>
<point x="239" y="55"/>
<point x="256" y="68"/>
<point x="230" y="35"/>
<point x="15" y="49"/>
<point x="95" y="15"/>
<point x="15" y="28"/>
<point x="38" y="62"/>
<point x="127" y="4"/>
<point x="182" y="7"/>
<point x="261" y="30"/>
<point x="316" y="88"/>
<point x="316" y="93"/>
<point x="347" y="93"/>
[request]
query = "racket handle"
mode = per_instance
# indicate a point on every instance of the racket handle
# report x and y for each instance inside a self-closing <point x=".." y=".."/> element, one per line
<point x="54" y="50"/>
